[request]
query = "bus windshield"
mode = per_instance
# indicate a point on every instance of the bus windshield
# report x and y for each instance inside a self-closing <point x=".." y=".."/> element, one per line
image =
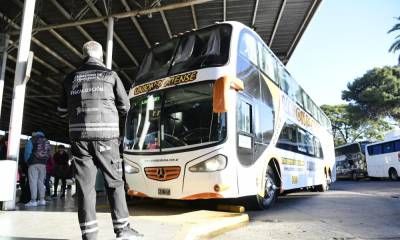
<point x="173" y="119"/>
<point x="208" y="47"/>
<point x="349" y="149"/>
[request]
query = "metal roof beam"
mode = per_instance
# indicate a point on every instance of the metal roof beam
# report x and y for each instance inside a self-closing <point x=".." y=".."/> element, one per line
<point x="119" y="40"/>
<point x="85" y="33"/>
<point x="254" y="14"/>
<point x="278" y="19"/>
<point x="55" y="34"/>
<point x="37" y="42"/>
<point x="136" y="23"/>
<point x="194" y="17"/>
<point x="123" y="15"/>
<point x="307" y="18"/>
<point x="166" y="23"/>
<point x="224" y="9"/>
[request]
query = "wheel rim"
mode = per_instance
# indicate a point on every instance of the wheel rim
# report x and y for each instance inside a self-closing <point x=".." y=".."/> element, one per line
<point x="269" y="188"/>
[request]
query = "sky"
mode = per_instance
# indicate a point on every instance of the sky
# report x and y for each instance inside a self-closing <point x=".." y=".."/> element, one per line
<point x="344" y="40"/>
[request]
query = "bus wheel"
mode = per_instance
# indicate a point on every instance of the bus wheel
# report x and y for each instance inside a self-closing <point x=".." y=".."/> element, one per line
<point x="354" y="176"/>
<point x="270" y="194"/>
<point x="393" y="174"/>
<point x="322" y="187"/>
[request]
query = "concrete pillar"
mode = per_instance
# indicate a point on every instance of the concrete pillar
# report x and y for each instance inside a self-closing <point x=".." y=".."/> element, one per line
<point x="17" y="108"/>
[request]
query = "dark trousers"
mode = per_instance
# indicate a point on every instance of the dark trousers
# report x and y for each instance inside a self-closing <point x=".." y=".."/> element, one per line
<point x="63" y="185"/>
<point x="87" y="157"/>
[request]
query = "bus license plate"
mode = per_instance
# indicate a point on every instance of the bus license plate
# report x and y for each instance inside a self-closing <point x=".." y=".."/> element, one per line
<point x="164" y="191"/>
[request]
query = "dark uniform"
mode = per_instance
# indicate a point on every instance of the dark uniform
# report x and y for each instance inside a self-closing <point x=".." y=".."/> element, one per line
<point x="93" y="97"/>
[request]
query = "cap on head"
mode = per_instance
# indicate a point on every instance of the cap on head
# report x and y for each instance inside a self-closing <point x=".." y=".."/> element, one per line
<point x="38" y="134"/>
<point x="93" y="49"/>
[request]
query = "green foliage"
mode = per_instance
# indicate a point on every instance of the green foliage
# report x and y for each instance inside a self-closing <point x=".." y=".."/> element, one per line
<point x="376" y="94"/>
<point x="349" y="124"/>
<point x="396" y="45"/>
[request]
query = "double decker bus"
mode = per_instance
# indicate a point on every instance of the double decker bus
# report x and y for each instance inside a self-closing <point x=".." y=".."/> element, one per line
<point x="214" y="114"/>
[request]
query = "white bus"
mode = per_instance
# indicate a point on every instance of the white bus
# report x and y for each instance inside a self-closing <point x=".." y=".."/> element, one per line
<point x="383" y="159"/>
<point x="214" y="114"/>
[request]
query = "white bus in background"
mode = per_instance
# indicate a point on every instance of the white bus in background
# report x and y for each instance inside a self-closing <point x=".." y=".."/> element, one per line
<point x="214" y="114"/>
<point x="383" y="159"/>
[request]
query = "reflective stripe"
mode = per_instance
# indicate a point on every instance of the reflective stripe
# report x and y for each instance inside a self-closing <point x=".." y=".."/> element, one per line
<point x="121" y="107"/>
<point x="92" y="129"/>
<point x="120" y="225"/>
<point x="88" y="223"/>
<point x="94" y="125"/>
<point x="121" y="220"/>
<point x="62" y="109"/>
<point x="90" y="230"/>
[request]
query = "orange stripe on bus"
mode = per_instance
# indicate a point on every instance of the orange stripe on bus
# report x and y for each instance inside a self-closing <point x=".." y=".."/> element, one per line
<point x="207" y="195"/>
<point x="132" y="192"/>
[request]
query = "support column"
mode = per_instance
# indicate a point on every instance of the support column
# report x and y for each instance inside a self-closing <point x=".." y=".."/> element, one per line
<point x="110" y="36"/>
<point x="17" y="108"/>
<point x="3" y="52"/>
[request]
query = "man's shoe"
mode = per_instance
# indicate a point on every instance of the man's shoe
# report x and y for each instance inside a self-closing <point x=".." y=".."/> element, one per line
<point x="31" y="203"/>
<point x="42" y="203"/>
<point x="129" y="234"/>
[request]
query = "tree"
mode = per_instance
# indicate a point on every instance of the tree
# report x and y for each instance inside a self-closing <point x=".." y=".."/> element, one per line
<point x="396" y="45"/>
<point x="349" y="125"/>
<point x="376" y="94"/>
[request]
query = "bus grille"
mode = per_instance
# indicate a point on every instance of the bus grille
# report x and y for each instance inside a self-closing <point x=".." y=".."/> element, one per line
<point x="162" y="173"/>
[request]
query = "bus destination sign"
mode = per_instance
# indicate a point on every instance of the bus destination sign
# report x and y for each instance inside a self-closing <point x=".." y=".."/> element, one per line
<point x="165" y="82"/>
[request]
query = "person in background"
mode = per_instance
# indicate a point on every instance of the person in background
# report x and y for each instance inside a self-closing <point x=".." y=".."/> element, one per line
<point x="94" y="99"/>
<point x="37" y="153"/>
<point x="61" y="170"/>
<point x="49" y="173"/>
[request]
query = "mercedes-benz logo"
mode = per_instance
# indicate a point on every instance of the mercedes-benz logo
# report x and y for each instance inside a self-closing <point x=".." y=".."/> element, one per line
<point x="161" y="173"/>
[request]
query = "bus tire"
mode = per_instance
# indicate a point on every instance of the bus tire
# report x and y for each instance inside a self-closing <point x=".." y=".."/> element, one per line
<point x="271" y="192"/>
<point x="354" y="176"/>
<point x="393" y="174"/>
<point x="322" y="187"/>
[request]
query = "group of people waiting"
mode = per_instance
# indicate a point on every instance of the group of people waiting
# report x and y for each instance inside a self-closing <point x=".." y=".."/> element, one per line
<point x="38" y="166"/>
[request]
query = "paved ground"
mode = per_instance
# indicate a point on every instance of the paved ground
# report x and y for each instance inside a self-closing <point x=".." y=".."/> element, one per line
<point x="156" y="219"/>
<point x="351" y="210"/>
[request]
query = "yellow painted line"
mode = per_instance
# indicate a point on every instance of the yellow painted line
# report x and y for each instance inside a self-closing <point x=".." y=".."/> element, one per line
<point x="202" y="224"/>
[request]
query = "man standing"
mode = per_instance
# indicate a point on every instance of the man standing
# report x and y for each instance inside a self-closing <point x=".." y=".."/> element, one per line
<point x="93" y="96"/>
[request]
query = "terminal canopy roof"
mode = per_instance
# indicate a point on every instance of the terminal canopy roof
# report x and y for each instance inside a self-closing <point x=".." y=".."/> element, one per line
<point x="61" y="27"/>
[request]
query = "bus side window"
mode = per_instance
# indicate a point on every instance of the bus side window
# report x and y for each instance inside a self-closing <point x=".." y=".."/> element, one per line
<point x="301" y="140"/>
<point x="246" y="69"/>
<point x="288" y="137"/>
<point x="266" y="113"/>
<point x="244" y="117"/>
<point x="377" y="149"/>
<point x="397" y="146"/>
<point x="369" y="149"/>
<point x="388" y="147"/>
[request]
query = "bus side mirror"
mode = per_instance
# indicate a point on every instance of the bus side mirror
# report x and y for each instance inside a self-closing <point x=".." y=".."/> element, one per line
<point x="221" y="90"/>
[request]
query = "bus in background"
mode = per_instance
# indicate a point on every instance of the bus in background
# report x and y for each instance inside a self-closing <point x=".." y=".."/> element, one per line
<point x="214" y="114"/>
<point x="383" y="158"/>
<point x="350" y="160"/>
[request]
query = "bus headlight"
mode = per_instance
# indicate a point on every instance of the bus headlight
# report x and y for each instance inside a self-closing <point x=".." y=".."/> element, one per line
<point x="130" y="169"/>
<point x="213" y="164"/>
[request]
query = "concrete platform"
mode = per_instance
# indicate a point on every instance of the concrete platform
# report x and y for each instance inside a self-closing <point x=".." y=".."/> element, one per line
<point x="59" y="220"/>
